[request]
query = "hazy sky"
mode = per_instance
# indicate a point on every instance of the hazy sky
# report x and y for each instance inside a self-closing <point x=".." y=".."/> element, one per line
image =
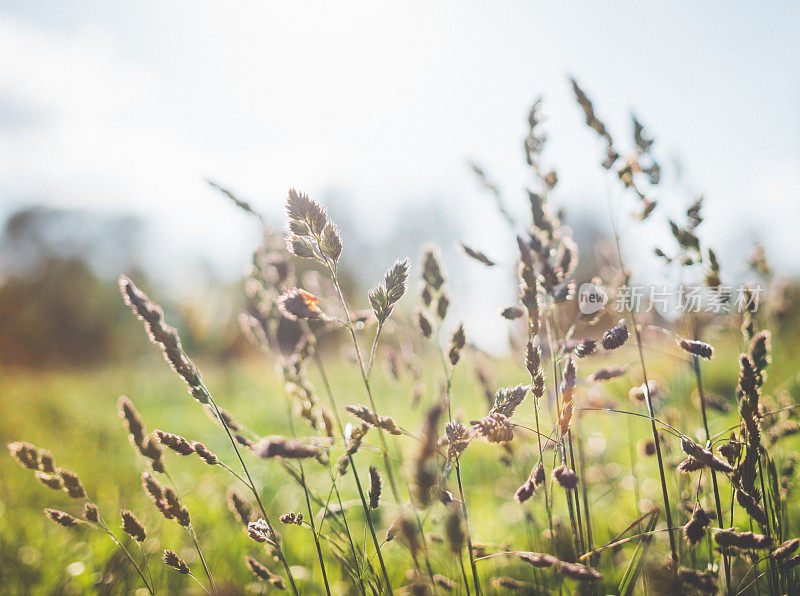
<point x="125" y="106"/>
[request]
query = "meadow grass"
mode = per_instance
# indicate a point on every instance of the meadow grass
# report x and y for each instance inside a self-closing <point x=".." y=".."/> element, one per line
<point x="606" y="454"/>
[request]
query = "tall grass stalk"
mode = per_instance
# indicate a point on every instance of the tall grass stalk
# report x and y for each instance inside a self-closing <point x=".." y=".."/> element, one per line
<point x="448" y="373"/>
<point x="308" y="503"/>
<point x="469" y="531"/>
<point x="717" y="500"/>
<point x="364" y="504"/>
<point x="332" y="268"/>
<point x="650" y="410"/>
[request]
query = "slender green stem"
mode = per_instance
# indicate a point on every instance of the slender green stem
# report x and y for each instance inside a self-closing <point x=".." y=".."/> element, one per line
<point x="103" y="526"/>
<point x="253" y="488"/>
<point x="190" y="531"/>
<point x="308" y="503"/>
<point x="656" y="440"/>
<point x="373" y="349"/>
<point x="469" y="530"/>
<point x="577" y="533"/>
<point x="773" y="576"/>
<point x="207" y="571"/>
<point x="463" y="572"/>
<point x="649" y="401"/>
<point x="368" y="388"/>
<point x="717" y="500"/>
<point x="371" y="527"/>
<point x="364" y="504"/>
<point x="314" y="530"/>
<point x="146" y="562"/>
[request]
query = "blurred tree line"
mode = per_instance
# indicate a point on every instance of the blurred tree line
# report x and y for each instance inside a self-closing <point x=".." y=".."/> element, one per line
<point x="59" y="302"/>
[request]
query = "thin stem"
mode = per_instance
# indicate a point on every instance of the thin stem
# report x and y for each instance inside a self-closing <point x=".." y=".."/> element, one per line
<point x="367" y="387"/>
<point x="102" y="525"/>
<point x="463" y="571"/>
<point x="717" y="500"/>
<point x="773" y="576"/>
<point x="207" y="571"/>
<point x="371" y="527"/>
<point x="329" y="391"/>
<point x="577" y="533"/>
<point x="193" y="536"/>
<point x="469" y="531"/>
<point x="364" y="377"/>
<point x="650" y="411"/>
<point x="373" y="349"/>
<point x="314" y="530"/>
<point x="308" y="503"/>
<point x="656" y="440"/>
<point x="252" y="486"/>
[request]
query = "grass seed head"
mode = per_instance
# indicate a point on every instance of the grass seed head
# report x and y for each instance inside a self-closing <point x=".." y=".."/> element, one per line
<point x="26" y="454"/>
<point x="585" y="347"/>
<point x="697" y="348"/>
<point x="62" y="518"/>
<point x="297" y="304"/>
<point x="292" y="518"/>
<point x="375" y="487"/>
<point x="132" y="526"/>
<point x="786" y="549"/>
<point x="695" y="528"/>
<point x="91" y="513"/>
<point x="264" y="574"/>
<point x="276" y="446"/>
<point x="171" y="559"/>
<point x="72" y="484"/>
<point x="495" y="428"/>
<point x="175" y="442"/>
<point x="457" y="342"/>
<point x="240" y="506"/>
<point x="566" y="477"/>
<point x="50" y="480"/>
<point x="615" y="337"/>
<point x="205" y="454"/>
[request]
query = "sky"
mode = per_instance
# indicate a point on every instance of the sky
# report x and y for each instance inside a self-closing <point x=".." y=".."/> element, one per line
<point x="124" y="107"/>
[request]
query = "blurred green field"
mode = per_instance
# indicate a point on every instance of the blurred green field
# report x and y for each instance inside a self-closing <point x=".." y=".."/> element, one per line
<point x="74" y="414"/>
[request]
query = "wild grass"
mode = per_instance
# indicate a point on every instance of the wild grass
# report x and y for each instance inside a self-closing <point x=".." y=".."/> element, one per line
<point x="362" y="454"/>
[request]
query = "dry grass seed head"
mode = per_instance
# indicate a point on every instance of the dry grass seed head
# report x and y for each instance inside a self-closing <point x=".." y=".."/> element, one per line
<point x="49" y="480"/>
<point x="264" y="574"/>
<point x="174" y="442"/>
<point x="297" y="304"/>
<point x="62" y="518"/>
<point x="457" y="342"/>
<point x="375" y="487"/>
<point x="495" y="428"/>
<point x="132" y="526"/>
<point x="205" y="454"/>
<point x="277" y="446"/>
<point x="26" y="454"/>
<point x="697" y="348"/>
<point x="72" y="484"/>
<point x="507" y="399"/>
<point x="91" y="513"/>
<point x="292" y="518"/>
<point x="695" y="528"/>
<point x="585" y="347"/>
<point x="615" y="337"/>
<point x="240" y="506"/>
<point x="786" y="549"/>
<point x="608" y="373"/>
<point x="171" y="559"/>
<point x="566" y="477"/>
<point x="705" y="456"/>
